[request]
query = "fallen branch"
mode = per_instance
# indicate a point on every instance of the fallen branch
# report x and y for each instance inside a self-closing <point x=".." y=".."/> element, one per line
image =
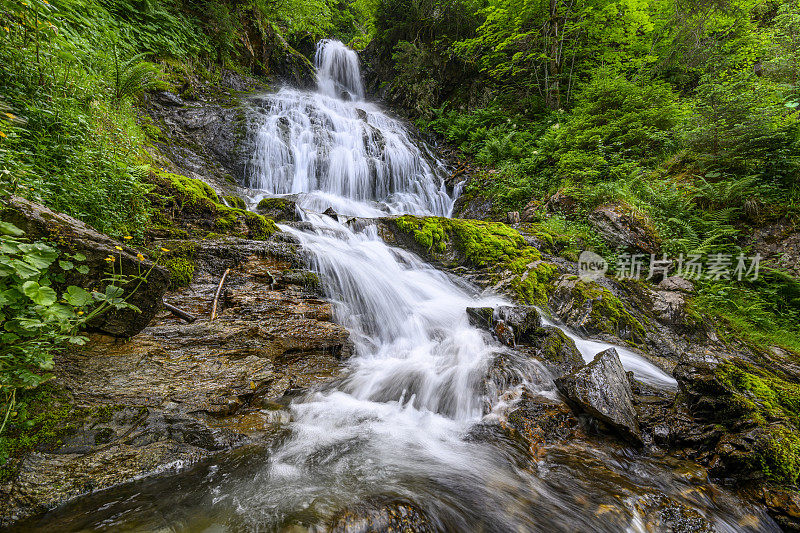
<point x="180" y="313"/>
<point x="216" y="296"/>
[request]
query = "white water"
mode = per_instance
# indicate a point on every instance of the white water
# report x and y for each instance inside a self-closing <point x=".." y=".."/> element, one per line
<point x="398" y="423"/>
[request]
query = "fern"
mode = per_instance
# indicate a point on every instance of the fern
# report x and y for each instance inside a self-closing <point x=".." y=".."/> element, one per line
<point x="133" y="76"/>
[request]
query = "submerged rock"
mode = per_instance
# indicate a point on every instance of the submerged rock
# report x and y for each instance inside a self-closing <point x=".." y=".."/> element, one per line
<point x="383" y="516"/>
<point x="602" y="390"/>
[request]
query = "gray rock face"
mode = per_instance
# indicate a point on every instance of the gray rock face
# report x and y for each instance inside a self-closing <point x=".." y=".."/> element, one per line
<point x="622" y="228"/>
<point x="602" y="390"/>
<point x="72" y="235"/>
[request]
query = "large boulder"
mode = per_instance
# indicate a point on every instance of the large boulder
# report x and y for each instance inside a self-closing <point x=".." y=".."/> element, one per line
<point x="73" y="236"/>
<point x="602" y="390"/>
<point x="624" y="228"/>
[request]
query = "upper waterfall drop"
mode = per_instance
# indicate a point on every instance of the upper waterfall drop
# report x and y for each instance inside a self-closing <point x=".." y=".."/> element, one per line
<point x="338" y="71"/>
<point x="338" y="150"/>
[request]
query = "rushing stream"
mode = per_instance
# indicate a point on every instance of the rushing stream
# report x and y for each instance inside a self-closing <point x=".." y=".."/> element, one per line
<point x="408" y="421"/>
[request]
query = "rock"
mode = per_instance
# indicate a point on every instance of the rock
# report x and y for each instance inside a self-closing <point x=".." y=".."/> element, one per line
<point x="511" y="325"/>
<point x="279" y="209"/>
<point x="169" y="99"/>
<point x="383" y="516"/>
<point x="784" y="505"/>
<point x="543" y="422"/>
<point x="558" y="352"/>
<point x="179" y="392"/>
<point x="331" y="213"/>
<point x="561" y="203"/>
<point x="602" y="390"/>
<point x="481" y="317"/>
<point x="512" y="217"/>
<point x="623" y="228"/>
<point x="72" y="235"/>
<point x="592" y="309"/>
<point x="676" y="283"/>
<point x="669" y="306"/>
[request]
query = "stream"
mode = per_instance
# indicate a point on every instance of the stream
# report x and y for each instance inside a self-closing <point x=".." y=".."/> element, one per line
<point x="411" y="421"/>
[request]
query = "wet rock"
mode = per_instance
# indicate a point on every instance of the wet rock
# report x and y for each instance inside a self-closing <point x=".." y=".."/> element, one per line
<point x="784" y="506"/>
<point x="331" y="213"/>
<point x="602" y="390"/>
<point x="481" y="317"/>
<point x="511" y="325"/>
<point x="279" y="209"/>
<point x="180" y="392"/>
<point x="778" y="243"/>
<point x="72" y="235"/>
<point x="623" y="228"/>
<point x="383" y="516"/>
<point x="543" y="422"/>
<point x="558" y="351"/>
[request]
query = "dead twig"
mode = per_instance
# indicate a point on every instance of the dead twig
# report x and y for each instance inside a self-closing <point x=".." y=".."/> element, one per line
<point x="216" y="296"/>
<point x="180" y="313"/>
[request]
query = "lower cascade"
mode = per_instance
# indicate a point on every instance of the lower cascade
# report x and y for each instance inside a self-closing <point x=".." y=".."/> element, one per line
<point x="413" y="426"/>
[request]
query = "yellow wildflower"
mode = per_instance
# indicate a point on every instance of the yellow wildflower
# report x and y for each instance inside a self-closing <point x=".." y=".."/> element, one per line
<point x="3" y="135"/>
<point x="110" y="259"/>
<point x="11" y="116"/>
<point x="80" y="312"/>
<point x="164" y="250"/>
<point x="127" y="237"/>
<point x="118" y="248"/>
<point x="140" y="257"/>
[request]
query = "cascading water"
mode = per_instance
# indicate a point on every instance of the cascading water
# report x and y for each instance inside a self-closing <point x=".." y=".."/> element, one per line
<point x="408" y="421"/>
<point x="336" y="150"/>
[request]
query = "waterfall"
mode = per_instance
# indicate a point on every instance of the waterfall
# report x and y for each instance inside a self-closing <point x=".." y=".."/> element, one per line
<point x="336" y="150"/>
<point x="414" y="418"/>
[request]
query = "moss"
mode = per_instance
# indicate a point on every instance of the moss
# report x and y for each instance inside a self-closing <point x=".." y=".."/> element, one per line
<point x="198" y="205"/>
<point x="304" y="278"/>
<point x="491" y="245"/>
<point x="773" y="403"/>
<point x="42" y="416"/>
<point x="235" y="201"/>
<point x="608" y="313"/>
<point x="180" y="261"/>
<point x="261" y="227"/>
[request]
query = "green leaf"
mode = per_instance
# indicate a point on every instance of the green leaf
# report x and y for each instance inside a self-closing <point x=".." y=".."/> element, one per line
<point x="7" y="228"/>
<point x="40" y="295"/>
<point x="23" y="269"/>
<point x="79" y="257"/>
<point x="82" y="269"/>
<point x="77" y="297"/>
<point x="112" y="291"/>
<point x="41" y="258"/>
<point x="66" y="265"/>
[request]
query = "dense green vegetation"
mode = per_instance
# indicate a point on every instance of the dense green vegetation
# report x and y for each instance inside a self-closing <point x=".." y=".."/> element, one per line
<point x="686" y="112"/>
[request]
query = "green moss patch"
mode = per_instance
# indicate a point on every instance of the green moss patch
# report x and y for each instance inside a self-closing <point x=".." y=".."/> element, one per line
<point x="774" y="404"/>
<point x="494" y="246"/>
<point x="187" y="202"/>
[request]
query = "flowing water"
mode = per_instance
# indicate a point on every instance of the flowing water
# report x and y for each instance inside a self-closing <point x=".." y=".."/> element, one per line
<point x="409" y="421"/>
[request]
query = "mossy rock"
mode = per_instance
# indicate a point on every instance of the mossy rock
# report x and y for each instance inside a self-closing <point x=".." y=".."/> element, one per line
<point x="279" y="209"/>
<point x="772" y="403"/>
<point x="235" y="201"/>
<point x="192" y="203"/>
<point x="179" y="257"/>
<point x="512" y="264"/>
<point x="593" y="309"/>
